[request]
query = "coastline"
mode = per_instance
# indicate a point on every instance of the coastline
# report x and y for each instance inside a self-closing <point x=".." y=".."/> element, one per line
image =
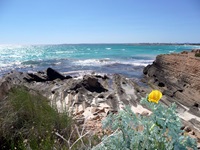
<point x="126" y="59"/>
<point x="92" y="96"/>
<point x="84" y="96"/>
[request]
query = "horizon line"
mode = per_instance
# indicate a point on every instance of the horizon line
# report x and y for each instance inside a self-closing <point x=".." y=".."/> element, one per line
<point x="128" y="43"/>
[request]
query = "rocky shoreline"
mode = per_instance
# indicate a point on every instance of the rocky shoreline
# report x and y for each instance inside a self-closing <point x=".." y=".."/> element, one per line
<point x="91" y="97"/>
<point x="178" y="77"/>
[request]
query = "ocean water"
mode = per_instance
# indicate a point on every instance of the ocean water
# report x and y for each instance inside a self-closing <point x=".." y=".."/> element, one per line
<point x="128" y="60"/>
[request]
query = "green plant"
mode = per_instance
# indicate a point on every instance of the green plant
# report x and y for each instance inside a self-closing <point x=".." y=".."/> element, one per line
<point x="28" y="122"/>
<point x="197" y="55"/>
<point x="160" y="130"/>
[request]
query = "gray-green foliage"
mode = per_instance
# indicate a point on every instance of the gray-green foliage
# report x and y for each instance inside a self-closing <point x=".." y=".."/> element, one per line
<point x="161" y="130"/>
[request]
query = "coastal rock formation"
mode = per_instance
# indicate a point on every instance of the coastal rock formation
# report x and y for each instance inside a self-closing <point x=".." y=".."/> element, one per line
<point x="90" y="98"/>
<point x="77" y="94"/>
<point x="178" y="77"/>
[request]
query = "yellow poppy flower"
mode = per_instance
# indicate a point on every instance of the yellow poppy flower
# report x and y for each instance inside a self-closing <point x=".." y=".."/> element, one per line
<point x="154" y="96"/>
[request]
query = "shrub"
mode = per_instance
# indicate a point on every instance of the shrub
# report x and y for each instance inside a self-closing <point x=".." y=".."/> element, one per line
<point x="27" y="121"/>
<point x="197" y="55"/>
<point x="161" y="130"/>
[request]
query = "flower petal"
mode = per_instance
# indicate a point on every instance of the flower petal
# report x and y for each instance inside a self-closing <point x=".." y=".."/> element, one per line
<point x="154" y="96"/>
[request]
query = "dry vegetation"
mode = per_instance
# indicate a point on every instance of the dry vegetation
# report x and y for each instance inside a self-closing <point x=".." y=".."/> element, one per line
<point x="28" y="122"/>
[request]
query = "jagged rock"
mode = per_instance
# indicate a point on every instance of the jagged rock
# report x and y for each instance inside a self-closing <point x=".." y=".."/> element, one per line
<point x="177" y="75"/>
<point x="35" y="77"/>
<point x="79" y="95"/>
<point x="91" y="84"/>
<point x="53" y="74"/>
<point x="75" y="95"/>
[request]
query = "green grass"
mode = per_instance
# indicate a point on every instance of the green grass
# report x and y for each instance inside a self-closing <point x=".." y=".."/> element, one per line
<point x="26" y="120"/>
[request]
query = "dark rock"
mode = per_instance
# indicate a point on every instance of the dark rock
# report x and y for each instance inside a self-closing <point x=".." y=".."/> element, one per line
<point x="101" y="96"/>
<point x="145" y="70"/>
<point x="161" y="84"/>
<point x="53" y="74"/>
<point x="68" y="77"/>
<point x="34" y="77"/>
<point x="196" y="105"/>
<point x="184" y="52"/>
<point x="92" y="84"/>
<point x="105" y="77"/>
<point x="188" y="129"/>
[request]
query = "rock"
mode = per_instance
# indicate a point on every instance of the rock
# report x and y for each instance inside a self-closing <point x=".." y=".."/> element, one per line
<point x="92" y="84"/>
<point x="96" y="117"/>
<point x="53" y="74"/>
<point x="184" y="52"/>
<point x="79" y="96"/>
<point x="75" y="95"/>
<point x="187" y="129"/>
<point x="195" y="122"/>
<point x="177" y="75"/>
<point x="94" y="110"/>
<point x="145" y="113"/>
<point x="35" y="77"/>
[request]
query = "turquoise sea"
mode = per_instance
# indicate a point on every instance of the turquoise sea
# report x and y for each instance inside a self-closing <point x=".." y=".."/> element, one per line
<point x="75" y="59"/>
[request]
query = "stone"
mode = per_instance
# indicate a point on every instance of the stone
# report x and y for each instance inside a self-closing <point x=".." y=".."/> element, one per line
<point x="178" y="76"/>
<point x="92" y="84"/>
<point x="53" y="74"/>
<point x="145" y="113"/>
<point x="35" y="77"/>
<point x="187" y="129"/>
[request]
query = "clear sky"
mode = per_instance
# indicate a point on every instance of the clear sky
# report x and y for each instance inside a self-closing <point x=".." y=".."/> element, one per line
<point x="99" y="21"/>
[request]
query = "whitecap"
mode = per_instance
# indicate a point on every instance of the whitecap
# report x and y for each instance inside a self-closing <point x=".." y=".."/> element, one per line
<point x="92" y="62"/>
<point x="142" y="63"/>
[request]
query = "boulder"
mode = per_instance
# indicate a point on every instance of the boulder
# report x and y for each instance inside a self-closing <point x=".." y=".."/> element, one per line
<point x="90" y="83"/>
<point x="53" y="74"/>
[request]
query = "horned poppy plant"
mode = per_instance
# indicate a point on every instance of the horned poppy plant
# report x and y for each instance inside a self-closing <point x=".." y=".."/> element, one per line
<point x="161" y="130"/>
<point x="154" y="96"/>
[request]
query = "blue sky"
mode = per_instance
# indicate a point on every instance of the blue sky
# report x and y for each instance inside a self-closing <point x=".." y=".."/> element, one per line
<point x="99" y="21"/>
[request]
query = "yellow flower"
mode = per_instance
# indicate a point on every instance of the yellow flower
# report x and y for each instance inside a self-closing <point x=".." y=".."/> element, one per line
<point x="154" y="96"/>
